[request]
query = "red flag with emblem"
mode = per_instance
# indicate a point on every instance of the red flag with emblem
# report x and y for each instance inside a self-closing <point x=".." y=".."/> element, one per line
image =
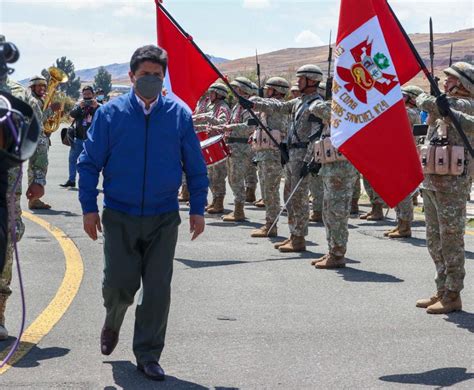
<point x="189" y="74"/>
<point x="369" y="122"/>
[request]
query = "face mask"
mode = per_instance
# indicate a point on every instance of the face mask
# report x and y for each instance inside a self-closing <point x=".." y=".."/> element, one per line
<point x="149" y="86"/>
<point x="100" y="97"/>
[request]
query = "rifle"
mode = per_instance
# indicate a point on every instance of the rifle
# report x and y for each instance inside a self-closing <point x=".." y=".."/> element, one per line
<point x="329" y="79"/>
<point x="260" y="89"/>
<point x="451" y="55"/>
<point x="432" y="53"/>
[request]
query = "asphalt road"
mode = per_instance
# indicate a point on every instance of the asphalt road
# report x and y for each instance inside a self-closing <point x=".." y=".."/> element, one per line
<point x="245" y="316"/>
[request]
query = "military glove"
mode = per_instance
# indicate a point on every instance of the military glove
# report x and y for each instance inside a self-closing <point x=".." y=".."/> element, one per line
<point x="443" y="105"/>
<point x="310" y="167"/>
<point x="245" y="103"/>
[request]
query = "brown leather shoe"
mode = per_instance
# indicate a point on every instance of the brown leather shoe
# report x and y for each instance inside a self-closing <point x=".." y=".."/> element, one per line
<point x="38" y="204"/>
<point x="152" y="370"/>
<point x="108" y="340"/>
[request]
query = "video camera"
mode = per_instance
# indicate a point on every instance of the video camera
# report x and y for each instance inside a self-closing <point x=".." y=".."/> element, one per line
<point x="19" y="135"/>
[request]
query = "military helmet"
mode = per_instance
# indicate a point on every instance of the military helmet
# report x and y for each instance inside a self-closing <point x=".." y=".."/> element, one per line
<point x="219" y="88"/>
<point x="279" y="84"/>
<point x="254" y="89"/>
<point x="310" y="71"/>
<point x="412" y="90"/>
<point x="244" y="84"/>
<point x="294" y="88"/>
<point x="38" y="80"/>
<point x="464" y="72"/>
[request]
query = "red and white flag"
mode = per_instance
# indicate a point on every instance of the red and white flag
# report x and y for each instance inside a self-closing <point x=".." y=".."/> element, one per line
<point x="189" y="74"/>
<point x="369" y="122"/>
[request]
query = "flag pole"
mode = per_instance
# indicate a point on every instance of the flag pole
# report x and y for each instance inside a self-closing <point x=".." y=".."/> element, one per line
<point x="282" y="149"/>
<point x="433" y="83"/>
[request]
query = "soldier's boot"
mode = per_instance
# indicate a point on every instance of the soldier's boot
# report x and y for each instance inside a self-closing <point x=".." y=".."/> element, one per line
<point x="3" y="330"/>
<point x="210" y="204"/>
<point x="377" y="213"/>
<point x="259" y="203"/>
<point x="250" y="195"/>
<point x="451" y="301"/>
<point x="315" y="261"/>
<point x="424" y="303"/>
<point x="316" y="216"/>
<point x="331" y="262"/>
<point x="296" y="244"/>
<point x="217" y="207"/>
<point x="281" y="243"/>
<point x="394" y="230"/>
<point x="38" y="204"/>
<point x="415" y="200"/>
<point x="367" y="215"/>
<point x="184" y="194"/>
<point x="355" y="207"/>
<point x="237" y="215"/>
<point x="264" y="231"/>
<point x="404" y="230"/>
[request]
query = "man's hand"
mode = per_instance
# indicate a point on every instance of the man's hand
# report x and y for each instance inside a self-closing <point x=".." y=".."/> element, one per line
<point x="94" y="103"/>
<point x="92" y="224"/>
<point x="196" y="225"/>
<point x="443" y="105"/>
<point x="34" y="191"/>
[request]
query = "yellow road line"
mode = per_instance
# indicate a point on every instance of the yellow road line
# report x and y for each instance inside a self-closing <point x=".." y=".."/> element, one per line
<point x="68" y="289"/>
<point x="470" y="232"/>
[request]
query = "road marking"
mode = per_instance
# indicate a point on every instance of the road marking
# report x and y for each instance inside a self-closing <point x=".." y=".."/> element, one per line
<point x="66" y="293"/>
<point x="470" y="232"/>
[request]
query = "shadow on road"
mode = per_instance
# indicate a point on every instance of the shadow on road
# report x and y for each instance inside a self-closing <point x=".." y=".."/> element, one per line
<point x="55" y="212"/>
<point x="441" y="377"/>
<point x="358" y="275"/>
<point x="462" y="319"/>
<point x="36" y="354"/>
<point x="127" y="377"/>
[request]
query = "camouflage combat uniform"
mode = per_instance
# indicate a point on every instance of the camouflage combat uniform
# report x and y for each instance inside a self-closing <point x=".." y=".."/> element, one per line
<point x="218" y="114"/>
<point x="338" y="182"/>
<point x="444" y="199"/>
<point x="269" y="160"/>
<point x="25" y="95"/>
<point x="316" y="190"/>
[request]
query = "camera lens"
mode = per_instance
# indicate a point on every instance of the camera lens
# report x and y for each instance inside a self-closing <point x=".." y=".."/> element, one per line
<point x="10" y="52"/>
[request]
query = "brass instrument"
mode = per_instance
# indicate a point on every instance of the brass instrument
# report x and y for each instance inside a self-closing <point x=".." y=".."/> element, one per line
<point x="57" y="76"/>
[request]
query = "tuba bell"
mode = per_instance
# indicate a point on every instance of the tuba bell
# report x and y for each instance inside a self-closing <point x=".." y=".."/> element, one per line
<point x="57" y="76"/>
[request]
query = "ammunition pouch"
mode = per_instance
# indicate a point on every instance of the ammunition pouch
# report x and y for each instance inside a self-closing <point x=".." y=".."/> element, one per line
<point x="325" y="153"/>
<point x="261" y="140"/>
<point x="442" y="160"/>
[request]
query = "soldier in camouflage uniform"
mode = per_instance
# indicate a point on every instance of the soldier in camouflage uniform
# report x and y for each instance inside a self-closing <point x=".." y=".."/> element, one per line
<point x="316" y="181"/>
<point x="202" y="107"/>
<point x="268" y="155"/>
<point x="35" y="190"/>
<point x="38" y="163"/>
<point x="218" y="114"/>
<point x="251" y="176"/>
<point x="295" y="91"/>
<point x="338" y="182"/>
<point x="356" y="196"/>
<point x="239" y="163"/>
<point x="404" y="209"/>
<point x="444" y="196"/>
<point x="302" y="127"/>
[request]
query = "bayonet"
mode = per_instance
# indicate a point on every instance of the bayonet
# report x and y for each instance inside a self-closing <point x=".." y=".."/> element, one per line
<point x="329" y="78"/>
<point x="260" y="89"/>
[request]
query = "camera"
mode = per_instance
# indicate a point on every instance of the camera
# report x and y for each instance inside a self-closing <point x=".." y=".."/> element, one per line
<point x="9" y="54"/>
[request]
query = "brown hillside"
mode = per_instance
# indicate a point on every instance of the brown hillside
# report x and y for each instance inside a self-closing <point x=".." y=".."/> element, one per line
<point x="285" y="62"/>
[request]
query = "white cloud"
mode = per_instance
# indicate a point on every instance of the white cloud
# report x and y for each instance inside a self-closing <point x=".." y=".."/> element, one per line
<point x="256" y="4"/>
<point x="308" y="38"/>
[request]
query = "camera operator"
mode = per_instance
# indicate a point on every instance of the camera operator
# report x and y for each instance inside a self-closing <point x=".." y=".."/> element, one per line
<point x="34" y="191"/>
<point x="82" y="113"/>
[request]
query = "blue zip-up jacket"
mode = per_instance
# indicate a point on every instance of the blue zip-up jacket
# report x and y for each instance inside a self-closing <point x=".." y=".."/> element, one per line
<point x="142" y="158"/>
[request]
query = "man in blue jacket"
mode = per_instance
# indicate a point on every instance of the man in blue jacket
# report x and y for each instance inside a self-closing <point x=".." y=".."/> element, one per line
<point x="141" y="142"/>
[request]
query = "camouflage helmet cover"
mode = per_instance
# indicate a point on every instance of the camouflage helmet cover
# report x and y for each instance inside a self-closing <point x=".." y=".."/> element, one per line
<point x="279" y="84"/>
<point x="464" y="72"/>
<point x="244" y="84"/>
<point x="38" y="80"/>
<point x="412" y="90"/>
<point x="254" y="89"/>
<point x="310" y="71"/>
<point x="219" y="88"/>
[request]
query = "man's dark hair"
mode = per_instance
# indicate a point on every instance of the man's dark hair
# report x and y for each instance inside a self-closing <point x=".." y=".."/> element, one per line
<point x="150" y="53"/>
<point x="87" y="88"/>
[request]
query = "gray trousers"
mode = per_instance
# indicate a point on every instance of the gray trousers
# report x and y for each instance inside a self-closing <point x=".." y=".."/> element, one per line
<point x="139" y="249"/>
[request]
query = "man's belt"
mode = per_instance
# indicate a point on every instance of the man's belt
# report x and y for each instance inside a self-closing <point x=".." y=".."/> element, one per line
<point x="235" y="140"/>
<point x="298" y="145"/>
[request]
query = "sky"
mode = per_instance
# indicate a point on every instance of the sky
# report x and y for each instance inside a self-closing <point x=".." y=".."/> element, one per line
<point x="101" y="32"/>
